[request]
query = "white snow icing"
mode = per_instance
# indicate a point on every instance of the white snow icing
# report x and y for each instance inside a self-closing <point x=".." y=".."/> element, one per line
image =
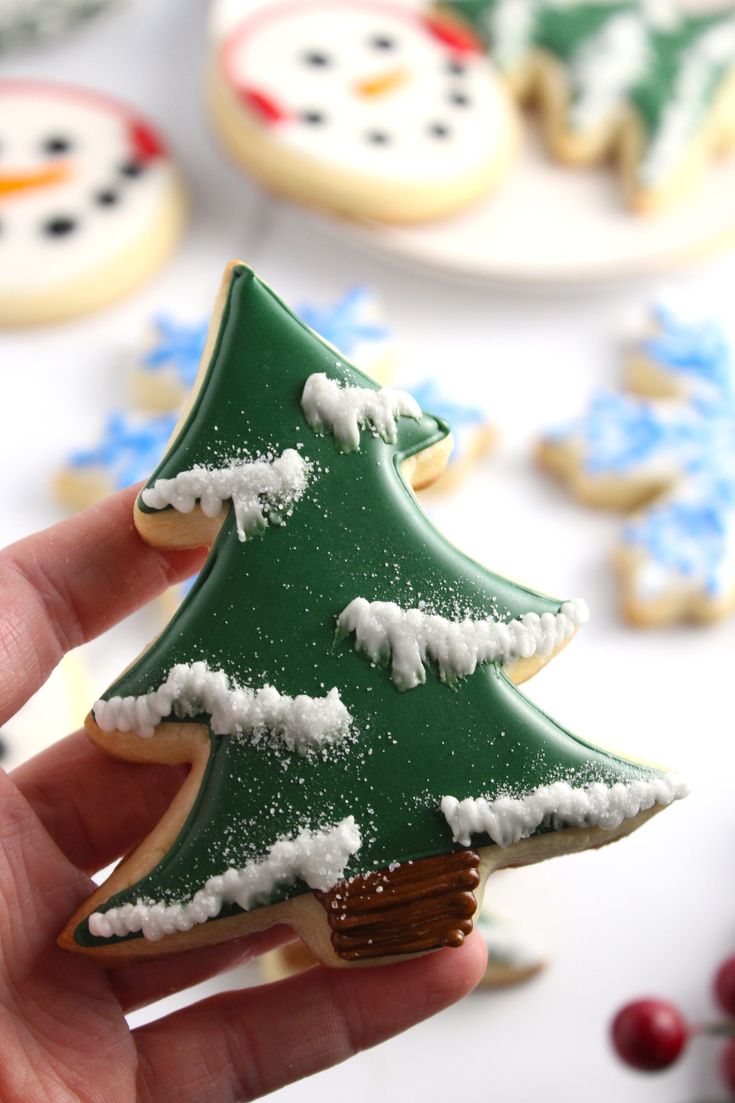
<point x="316" y="857"/>
<point x="300" y="723"/>
<point x="606" y="69"/>
<point x="507" y="820"/>
<point x="331" y="407"/>
<point x="262" y="491"/>
<point x="409" y="637"/>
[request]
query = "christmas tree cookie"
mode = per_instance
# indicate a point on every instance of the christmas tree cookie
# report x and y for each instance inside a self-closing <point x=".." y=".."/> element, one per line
<point x="341" y="679"/>
<point x="374" y="110"/>
<point x="90" y="202"/>
<point x="638" y="79"/>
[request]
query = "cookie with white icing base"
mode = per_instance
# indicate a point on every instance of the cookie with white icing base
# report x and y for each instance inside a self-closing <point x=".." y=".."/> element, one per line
<point x="342" y="681"/>
<point x="651" y="84"/>
<point x="370" y="109"/>
<point x="666" y="450"/>
<point x="91" y="203"/>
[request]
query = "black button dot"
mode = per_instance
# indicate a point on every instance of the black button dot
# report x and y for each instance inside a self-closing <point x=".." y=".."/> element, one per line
<point x="131" y="169"/>
<point x="313" y="118"/>
<point x="439" y="130"/>
<point x="456" y="67"/>
<point x="459" y="99"/>
<point x="317" y="59"/>
<point x="59" y="226"/>
<point x="378" y="137"/>
<point x="107" y="198"/>
<point x="382" y="42"/>
<point x="56" y="144"/>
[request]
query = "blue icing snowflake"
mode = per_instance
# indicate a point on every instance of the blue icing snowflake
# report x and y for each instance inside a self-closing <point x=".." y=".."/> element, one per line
<point x="460" y="417"/>
<point x="345" y="324"/>
<point x="688" y="442"/>
<point x="177" y="346"/>
<point x="129" y="447"/>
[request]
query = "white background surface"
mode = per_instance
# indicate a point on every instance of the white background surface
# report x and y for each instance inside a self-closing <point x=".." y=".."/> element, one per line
<point x="654" y="914"/>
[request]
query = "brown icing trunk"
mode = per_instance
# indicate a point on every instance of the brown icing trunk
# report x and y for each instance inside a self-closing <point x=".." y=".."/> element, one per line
<point x="408" y="909"/>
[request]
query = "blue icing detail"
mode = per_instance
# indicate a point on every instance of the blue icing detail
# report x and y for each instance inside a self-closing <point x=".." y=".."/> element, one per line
<point x="343" y="323"/>
<point x="129" y="448"/>
<point x="177" y="346"/>
<point x="459" y="417"/>
<point x="699" y="350"/>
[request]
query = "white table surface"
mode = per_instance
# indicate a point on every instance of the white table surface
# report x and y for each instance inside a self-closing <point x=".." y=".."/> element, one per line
<point x="654" y="914"/>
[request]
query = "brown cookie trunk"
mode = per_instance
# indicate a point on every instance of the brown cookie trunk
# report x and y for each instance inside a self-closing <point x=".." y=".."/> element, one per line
<point x="409" y="909"/>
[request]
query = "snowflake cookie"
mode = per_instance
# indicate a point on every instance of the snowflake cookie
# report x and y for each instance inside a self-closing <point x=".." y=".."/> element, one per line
<point x="643" y="80"/>
<point x="666" y="449"/>
<point x="341" y="679"/>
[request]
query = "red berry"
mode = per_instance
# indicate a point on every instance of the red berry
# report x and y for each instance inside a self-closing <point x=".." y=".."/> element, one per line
<point x="725" y="986"/>
<point x="649" y="1034"/>
<point x="728" y="1066"/>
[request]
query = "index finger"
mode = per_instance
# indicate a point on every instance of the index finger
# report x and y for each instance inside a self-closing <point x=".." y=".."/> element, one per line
<point x="67" y="584"/>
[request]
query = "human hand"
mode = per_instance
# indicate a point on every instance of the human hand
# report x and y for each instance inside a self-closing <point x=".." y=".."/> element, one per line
<point x="71" y="811"/>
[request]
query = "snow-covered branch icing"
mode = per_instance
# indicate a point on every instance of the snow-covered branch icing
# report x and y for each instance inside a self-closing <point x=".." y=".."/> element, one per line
<point x="410" y="637"/>
<point x="300" y="723"/>
<point x="316" y="857"/>
<point x="262" y="491"/>
<point x="331" y="407"/>
<point x="507" y="820"/>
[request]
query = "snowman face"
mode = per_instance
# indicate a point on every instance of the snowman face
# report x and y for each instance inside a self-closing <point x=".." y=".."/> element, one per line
<point x="380" y="89"/>
<point x="80" y="180"/>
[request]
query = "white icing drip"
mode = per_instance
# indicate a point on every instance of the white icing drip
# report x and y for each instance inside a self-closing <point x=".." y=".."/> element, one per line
<point x="301" y="723"/>
<point x="715" y="47"/>
<point x="507" y="820"/>
<point x="344" y="411"/>
<point x="410" y="637"/>
<point x="316" y="857"/>
<point x="510" y="27"/>
<point x="606" y="68"/>
<point x="261" y="491"/>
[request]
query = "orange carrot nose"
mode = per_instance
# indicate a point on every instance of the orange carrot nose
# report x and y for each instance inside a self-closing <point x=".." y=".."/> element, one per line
<point x="386" y="82"/>
<point x="13" y="182"/>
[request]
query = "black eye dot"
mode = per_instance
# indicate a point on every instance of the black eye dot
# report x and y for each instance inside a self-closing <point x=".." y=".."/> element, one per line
<point x="131" y="169"/>
<point x="56" y="144"/>
<point x="106" y="198"/>
<point x="456" y="67"/>
<point x="317" y="59"/>
<point x="313" y="118"/>
<point x="378" y="137"/>
<point x="459" y="99"/>
<point x="59" y="226"/>
<point x="382" y="42"/>
<point x="439" y="130"/>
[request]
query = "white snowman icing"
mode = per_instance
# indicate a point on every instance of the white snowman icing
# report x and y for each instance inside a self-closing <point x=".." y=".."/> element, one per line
<point x="81" y="181"/>
<point x="372" y="87"/>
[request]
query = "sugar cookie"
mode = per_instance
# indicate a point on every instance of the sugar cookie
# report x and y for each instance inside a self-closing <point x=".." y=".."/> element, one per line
<point x="643" y="80"/>
<point x="473" y="435"/>
<point x="341" y="679"/>
<point x="369" y="108"/>
<point x="90" y="202"/>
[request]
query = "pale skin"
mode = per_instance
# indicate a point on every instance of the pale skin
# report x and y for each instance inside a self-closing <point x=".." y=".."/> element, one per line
<point x="71" y="811"/>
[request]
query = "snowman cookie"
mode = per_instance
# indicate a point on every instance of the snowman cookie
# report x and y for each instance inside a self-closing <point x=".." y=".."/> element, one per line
<point x="369" y="108"/>
<point x="90" y="202"/>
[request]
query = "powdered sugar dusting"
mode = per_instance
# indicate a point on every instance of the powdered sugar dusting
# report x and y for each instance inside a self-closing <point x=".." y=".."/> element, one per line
<point x="300" y="723"/>
<point x="344" y="411"/>
<point x="316" y="857"/>
<point x="262" y="491"/>
<point x="409" y="637"/>
<point x="508" y="819"/>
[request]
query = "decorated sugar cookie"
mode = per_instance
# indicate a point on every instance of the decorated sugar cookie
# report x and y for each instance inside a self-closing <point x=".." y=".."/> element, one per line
<point x="667" y="450"/>
<point x="644" y="80"/>
<point x="165" y="370"/>
<point x="342" y="680"/>
<point x="356" y="326"/>
<point x="370" y="108"/>
<point x="473" y="436"/>
<point x="90" y="202"/>
<point x="129" y="446"/>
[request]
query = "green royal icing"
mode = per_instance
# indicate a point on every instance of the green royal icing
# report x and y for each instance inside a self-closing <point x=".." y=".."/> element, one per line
<point x="687" y="61"/>
<point x="265" y="610"/>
